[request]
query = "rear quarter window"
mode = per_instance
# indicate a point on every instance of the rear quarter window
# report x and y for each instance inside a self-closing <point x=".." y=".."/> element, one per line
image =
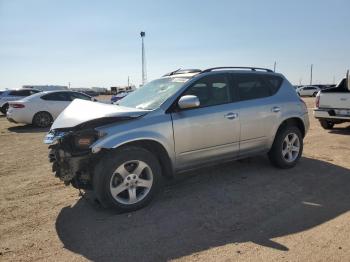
<point x="274" y="82"/>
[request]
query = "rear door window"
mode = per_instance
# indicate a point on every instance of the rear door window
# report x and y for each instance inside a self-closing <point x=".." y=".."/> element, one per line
<point x="255" y="86"/>
<point x="61" y="96"/>
<point x="251" y="86"/>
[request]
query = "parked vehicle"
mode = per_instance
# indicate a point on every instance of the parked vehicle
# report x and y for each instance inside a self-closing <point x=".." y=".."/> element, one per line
<point x="181" y="121"/>
<point x="119" y="96"/>
<point x="333" y="105"/>
<point x="12" y="95"/>
<point x="308" y="90"/>
<point x="43" y="108"/>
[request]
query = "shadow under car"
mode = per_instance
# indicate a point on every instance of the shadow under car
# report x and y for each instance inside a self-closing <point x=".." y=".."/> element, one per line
<point x="236" y="202"/>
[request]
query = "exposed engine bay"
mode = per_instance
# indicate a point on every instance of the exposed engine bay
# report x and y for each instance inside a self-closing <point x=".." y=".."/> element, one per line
<point x="72" y="135"/>
<point x="71" y="162"/>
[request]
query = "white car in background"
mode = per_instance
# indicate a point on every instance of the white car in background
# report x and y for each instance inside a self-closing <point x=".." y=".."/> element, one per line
<point x="308" y="90"/>
<point x="12" y="95"/>
<point x="42" y="108"/>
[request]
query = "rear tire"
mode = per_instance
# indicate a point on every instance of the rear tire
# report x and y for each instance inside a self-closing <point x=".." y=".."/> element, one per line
<point x="4" y="109"/>
<point x="287" y="147"/>
<point x="326" y="124"/>
<point x="127" y="179"/>
<point x="42" y="119"/>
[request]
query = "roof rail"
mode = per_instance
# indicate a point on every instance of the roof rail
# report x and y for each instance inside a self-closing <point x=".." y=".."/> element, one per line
<point x="183" y="71"/>
<point x="237" y="67"/>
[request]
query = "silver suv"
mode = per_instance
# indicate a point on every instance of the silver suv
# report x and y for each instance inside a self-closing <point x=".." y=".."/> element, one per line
<point x="186" y="119"/>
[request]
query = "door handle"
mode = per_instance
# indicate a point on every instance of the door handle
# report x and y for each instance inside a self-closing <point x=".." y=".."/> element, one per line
<point x="231" y="115"/>
<point x="276" y="109"/>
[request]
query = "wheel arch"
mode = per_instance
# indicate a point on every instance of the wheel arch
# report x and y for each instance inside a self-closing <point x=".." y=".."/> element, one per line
<point x="4" y="105"/>
<point x="293" y="121"/>
<point x="157" y="149"/>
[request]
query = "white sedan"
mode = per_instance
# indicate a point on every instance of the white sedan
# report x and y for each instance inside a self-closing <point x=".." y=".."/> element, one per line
<point x="43" y="108"/>
<point x="308" y="90"/>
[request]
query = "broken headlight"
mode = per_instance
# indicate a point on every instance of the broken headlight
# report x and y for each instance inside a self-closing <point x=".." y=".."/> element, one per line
<point x="84" y="139"/>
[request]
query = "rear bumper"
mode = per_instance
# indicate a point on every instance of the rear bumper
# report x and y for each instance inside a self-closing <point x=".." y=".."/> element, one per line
<point x="11" y="119"/>
<point x="17" y="116"/>
<point x="329" y="114"/>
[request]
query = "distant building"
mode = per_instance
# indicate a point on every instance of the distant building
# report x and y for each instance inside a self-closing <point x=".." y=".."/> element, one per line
<point x="85" y="90"/>
<point x="100" y="90"/>
<point x="46" y="87"/>
<point x="118" y="89"/>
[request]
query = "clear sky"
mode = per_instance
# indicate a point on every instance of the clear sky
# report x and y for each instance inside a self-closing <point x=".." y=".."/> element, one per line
<point x="97" y="43"/>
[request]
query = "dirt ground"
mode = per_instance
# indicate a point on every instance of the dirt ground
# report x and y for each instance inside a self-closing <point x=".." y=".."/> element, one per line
<point x="245" y="210"/>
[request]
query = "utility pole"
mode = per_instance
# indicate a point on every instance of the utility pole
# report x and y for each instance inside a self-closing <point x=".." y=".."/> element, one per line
<point x="128" y="81"/>
<point x="274" y="66"/>
<point x="69" y="85"/>
<point x="311" y="74"/>
<point x="144" y="71"/>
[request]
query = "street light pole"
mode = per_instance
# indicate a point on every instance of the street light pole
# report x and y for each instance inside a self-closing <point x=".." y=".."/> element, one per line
<point x="311" y="74"/>
<point x="144" y="72"/>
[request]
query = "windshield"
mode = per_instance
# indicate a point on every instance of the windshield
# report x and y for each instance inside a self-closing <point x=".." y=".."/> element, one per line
<point x="153" y="94"/>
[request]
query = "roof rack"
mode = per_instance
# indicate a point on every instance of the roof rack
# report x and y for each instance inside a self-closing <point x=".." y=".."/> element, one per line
<point x="183" y="71"/>
<point x="237" y="67"/>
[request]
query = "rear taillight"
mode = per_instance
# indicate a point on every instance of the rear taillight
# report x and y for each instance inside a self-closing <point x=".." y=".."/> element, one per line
<point x="16" y="105"/>
<point x="317" y="101"/>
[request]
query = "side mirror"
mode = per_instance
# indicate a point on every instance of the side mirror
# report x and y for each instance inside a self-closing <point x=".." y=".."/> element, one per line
<point x="188" y="101"/>
<point x="93" y="99"/>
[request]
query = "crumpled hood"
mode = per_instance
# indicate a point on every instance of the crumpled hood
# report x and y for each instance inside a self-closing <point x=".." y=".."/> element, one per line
<point x="80" y="111"/>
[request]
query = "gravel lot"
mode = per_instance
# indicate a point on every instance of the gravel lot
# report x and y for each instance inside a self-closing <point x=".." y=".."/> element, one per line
<point x="245" y="210"/>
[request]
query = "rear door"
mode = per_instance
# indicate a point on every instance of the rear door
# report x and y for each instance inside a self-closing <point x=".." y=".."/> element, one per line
<point x="211" y="131"/>
<point x="259" y="110"/>
<point x="56" y="102"/>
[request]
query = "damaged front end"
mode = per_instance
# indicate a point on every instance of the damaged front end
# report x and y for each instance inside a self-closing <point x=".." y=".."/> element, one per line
<point x="71" y="156"/>
<point x="74" y="132"/>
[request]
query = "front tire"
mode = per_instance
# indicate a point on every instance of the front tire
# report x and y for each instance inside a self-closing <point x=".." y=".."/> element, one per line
<point x="127" y="179"/>
<point x="326" y="124"/>
<point x="287" y="147"/>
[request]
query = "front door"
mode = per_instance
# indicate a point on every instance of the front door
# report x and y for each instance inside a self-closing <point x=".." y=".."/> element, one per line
<point x="211" y="131"/>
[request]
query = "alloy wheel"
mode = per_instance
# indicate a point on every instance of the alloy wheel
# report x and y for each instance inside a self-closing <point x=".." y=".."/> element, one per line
<point x="291" y="147"/>
<point x="131" y="182"/>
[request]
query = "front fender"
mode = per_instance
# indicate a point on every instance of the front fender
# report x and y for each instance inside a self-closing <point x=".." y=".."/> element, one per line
<point x="157" y="129"/>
